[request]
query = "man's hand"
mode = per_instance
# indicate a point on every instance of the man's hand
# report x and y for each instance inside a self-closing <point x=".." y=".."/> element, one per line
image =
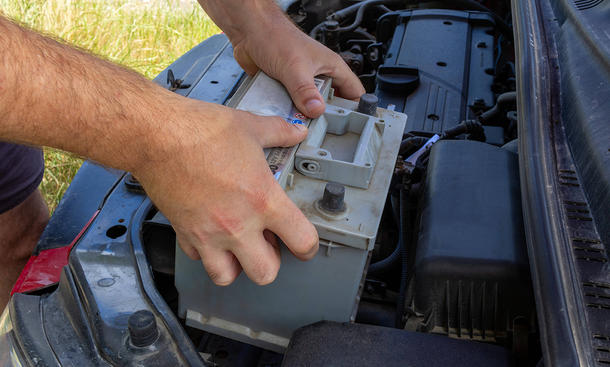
<point x="264" y="38"/>
<point x="201" y="164"/>
<point x="218" y="192"/>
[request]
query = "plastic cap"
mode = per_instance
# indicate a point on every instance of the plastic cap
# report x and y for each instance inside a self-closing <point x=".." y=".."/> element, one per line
<point x="368" y="104"/>
<point x="333" y="199"/>
<point x="142" y="328"/>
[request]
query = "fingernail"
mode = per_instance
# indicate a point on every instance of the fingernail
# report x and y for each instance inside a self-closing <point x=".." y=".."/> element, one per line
<point x="312" y="105"/>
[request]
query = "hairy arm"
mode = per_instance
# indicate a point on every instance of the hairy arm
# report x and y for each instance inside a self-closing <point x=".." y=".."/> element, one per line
<point x="55" y="95"/>
<point x="186" y="153"/>
<point x="264" y="38"/>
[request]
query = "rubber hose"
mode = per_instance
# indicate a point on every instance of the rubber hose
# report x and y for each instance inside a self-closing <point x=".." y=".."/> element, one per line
<point x="382" y="266"/>
<point x="360" y="8"/>
<point x="360" y="14"/>
<point x="472" y="127"/>
<point x="364" y="34"/>
<point x="314" y="32"/>
<point x="340" y="15"/>
<point x="504" y="100"/>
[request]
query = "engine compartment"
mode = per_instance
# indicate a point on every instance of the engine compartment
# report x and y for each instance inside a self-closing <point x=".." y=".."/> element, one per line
<point x="447" y="280"/>
<point x="450" y="256"/>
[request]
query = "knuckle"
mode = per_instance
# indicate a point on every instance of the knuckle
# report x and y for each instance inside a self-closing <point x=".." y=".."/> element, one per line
<point x="266" y="278"/>
<point x="264" y="271"/>
<point x="224" y="282"/>
<point x="309" y="243"/>
<point x="219" y="275"/>
<point x="192" y="253"/>
<point x="219" y="278"/>
<point x="259" y="201"/>
<point x="225" y="224"/>
<point x="337" y="64"/>
<point x="191" y="235"/>
<point x="338" y="60"/>
<point x="214" y="276"/>
<point x="304" y="88"/>
<point x="282" y="128"/>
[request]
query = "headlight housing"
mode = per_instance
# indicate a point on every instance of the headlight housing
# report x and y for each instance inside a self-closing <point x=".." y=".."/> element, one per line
<point x="10" y="354"/>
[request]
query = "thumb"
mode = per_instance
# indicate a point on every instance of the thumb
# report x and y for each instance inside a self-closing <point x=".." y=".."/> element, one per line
<point x="304" y="93"/>
<point x="244" y="60"/>
<point x="272" y="131"/>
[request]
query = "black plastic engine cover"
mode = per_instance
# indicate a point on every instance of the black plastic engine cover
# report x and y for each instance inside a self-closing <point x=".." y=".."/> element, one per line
<point x="439" y="64"/>
<point x="471" y="269"/>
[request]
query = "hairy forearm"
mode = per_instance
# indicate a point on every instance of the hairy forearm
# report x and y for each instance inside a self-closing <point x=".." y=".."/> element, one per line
<point x="54" y="95"/>
<point x="186" y="153"/>
<point x="238" y="18"/>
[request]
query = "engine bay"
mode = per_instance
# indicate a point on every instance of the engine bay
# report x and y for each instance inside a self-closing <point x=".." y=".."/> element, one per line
<point x="449" y="255"/>
<point x="460" y="205"/>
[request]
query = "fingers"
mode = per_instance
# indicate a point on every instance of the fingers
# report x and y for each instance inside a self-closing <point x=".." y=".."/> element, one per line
<point x="291" y="225"/>
<point x="189" y="250"/>
<point x="221" y="265"/>
<point x="307" y="98"/>
<point x="299" y="83"/>
<point x="276" y="132"/>
<point x="260" y="258"/>
<point x="345" y="82"/>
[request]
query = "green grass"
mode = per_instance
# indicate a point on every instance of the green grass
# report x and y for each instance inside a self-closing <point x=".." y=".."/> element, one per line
<point x="143" y="36"/>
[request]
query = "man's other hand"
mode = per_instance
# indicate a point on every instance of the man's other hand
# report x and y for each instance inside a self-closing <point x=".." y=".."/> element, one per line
<point x="264" y="38"/>
<point x="293" y="58"/>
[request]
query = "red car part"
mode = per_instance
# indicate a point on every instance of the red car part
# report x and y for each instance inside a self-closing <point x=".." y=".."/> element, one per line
<point x="44" y="269"/>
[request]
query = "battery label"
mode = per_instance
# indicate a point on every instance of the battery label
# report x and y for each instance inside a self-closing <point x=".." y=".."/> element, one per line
<point x="268" y="97"/>
<point x="278" y="158"/>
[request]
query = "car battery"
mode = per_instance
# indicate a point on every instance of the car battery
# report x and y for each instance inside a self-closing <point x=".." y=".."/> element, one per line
<point x="339" y="177"/>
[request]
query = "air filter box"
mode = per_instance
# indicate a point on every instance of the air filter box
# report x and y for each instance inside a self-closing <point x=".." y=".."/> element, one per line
<point x="355" y="153"/>
<point x="471" y="270"/>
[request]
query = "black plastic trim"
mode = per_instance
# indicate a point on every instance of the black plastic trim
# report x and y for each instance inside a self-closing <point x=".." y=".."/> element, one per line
<point x="87" y="193"/>
<point x="169" y="319"/>
<point x="559" y="305"/>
